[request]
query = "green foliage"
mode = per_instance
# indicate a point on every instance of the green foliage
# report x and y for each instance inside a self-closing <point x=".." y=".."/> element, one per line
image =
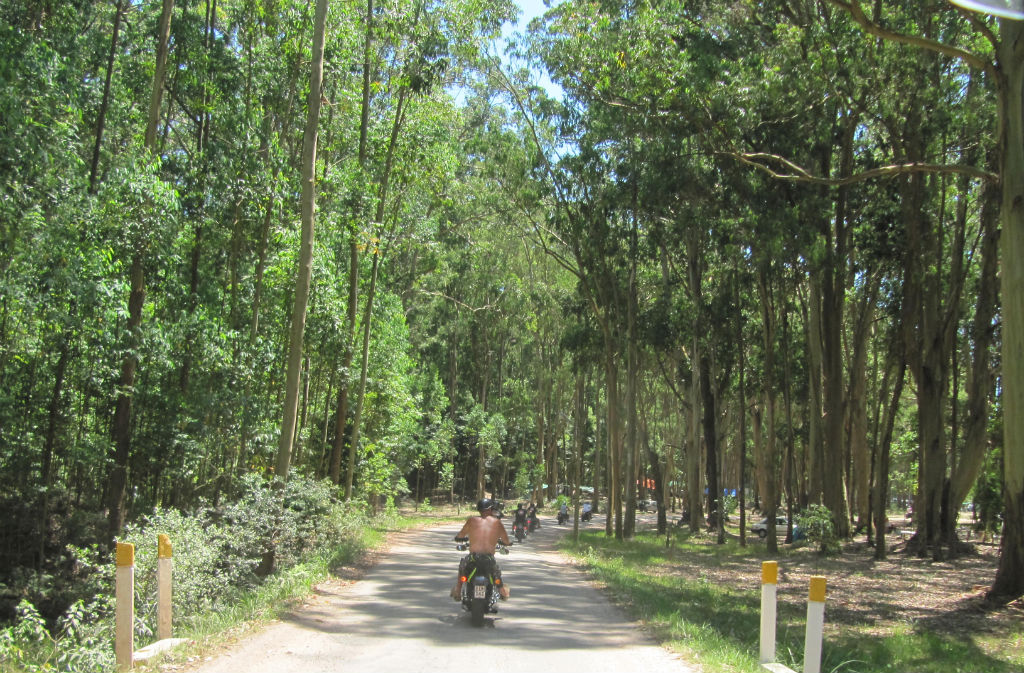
<point x="217" y="550"/>
<point x="446" y="475"/>
<point x="380" y="476"/>
<point x="816" y="524"/>
<point x="81" y="644"/>
<point x="215" y="553"/>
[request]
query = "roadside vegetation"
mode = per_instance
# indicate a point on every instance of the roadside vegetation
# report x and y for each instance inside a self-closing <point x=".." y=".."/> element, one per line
<point x="220" y="587"/>
<point x="703" y="600"/>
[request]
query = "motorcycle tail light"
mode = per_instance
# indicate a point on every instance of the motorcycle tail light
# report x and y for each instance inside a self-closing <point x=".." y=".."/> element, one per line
<point x="463" y="579"/>
<point x="497" y="580"/>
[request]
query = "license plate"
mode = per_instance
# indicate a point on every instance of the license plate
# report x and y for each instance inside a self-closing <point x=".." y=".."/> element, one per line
<point x="480" y="591"/>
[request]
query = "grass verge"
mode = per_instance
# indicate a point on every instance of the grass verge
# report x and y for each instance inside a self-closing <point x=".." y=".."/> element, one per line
<point x="703" y="600"/>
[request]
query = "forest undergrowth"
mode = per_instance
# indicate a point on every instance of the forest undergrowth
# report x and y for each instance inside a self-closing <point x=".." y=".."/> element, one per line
<point x="218" y="588"/>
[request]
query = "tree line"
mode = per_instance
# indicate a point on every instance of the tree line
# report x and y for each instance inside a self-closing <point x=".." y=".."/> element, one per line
<point x="747" y="248"/>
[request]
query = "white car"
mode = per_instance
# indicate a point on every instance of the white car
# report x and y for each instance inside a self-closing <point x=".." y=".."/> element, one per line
<point x="647" y="505"/>
<point x="761" y="527"/>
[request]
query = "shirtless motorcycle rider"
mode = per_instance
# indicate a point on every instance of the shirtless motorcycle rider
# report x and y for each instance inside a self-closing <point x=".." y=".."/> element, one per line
<point x="483" y="533"/>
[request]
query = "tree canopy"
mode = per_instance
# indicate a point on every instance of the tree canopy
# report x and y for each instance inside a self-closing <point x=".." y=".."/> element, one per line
<point x="763" y="252"/>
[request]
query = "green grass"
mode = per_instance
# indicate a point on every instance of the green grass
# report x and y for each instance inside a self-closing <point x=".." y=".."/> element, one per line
<point x="716" y="623"/>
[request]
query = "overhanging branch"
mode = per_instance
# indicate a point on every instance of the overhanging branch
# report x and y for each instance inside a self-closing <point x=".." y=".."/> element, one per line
<point x="856" y="12"/>
<point x="792" y="172"/>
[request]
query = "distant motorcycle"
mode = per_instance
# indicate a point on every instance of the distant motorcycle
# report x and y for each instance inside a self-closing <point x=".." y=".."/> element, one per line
<point x="480" y="585"/>
<point x="563" y="516"/>
<point x="587" y="515"/>
<point x="518" y="532"/>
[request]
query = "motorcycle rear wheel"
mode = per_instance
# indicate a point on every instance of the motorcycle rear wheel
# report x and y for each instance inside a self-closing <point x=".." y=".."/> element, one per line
<point x="476" y="611"/>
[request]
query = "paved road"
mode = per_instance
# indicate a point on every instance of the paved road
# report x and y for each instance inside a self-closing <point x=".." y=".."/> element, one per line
<point x="399" y="617"/>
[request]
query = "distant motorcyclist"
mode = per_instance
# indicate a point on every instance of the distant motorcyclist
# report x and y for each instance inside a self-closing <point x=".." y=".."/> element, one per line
<point x="563" y="513"/>
<point x="520" y="518"/>
<point x="483" y="533"/>
<point x="587" y="511"/>
<point x="531" y="517"/>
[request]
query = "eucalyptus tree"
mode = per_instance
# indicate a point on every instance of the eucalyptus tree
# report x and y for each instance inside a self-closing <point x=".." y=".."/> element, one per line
<point x="117" y="478"/>
<point x="963" y="40"/>
<point x="53" y="277"/>
<point x="419" y="47"/>
<point x="624" y="111"/>
<point x="305" y="266"/>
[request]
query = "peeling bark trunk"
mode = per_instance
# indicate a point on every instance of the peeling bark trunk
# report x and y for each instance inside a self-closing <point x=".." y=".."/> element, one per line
<point x="1009" y="580"/>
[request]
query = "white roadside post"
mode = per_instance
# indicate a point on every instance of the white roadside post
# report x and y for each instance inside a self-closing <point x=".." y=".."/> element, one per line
<point x="815" y="625"/>
<point x="769" y="578"/>
<point x="124" y="610"/>
<point x="163" y="587"/>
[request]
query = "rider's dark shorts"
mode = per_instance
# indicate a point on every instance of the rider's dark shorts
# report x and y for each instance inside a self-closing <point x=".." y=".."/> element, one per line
<point x="484" y="563"/>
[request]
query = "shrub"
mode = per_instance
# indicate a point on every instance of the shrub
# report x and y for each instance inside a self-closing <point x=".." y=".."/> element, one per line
<point x="82" y="643"/>
<point x="816" y="524"/>
<point x="216" y="552"/>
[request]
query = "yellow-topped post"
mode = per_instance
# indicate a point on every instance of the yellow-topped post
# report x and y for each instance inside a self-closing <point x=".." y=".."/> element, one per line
<point x="769" y="580"/>
<point x="163" y="587"/>
<point x="815" y="625"/>
<point x="124" y="605"/>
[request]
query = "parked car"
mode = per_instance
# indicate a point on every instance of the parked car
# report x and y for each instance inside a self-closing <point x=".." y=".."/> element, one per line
<point x="647" y="505"/>
<point x="761" y="527"/>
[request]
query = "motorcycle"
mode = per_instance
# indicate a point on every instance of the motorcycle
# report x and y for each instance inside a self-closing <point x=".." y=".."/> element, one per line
<point x="587" y="515"/>
<point x="562" y="517"/>
<point x="532" y="522"/>
<point x="480" y="585"/>
<point x="518" y="532"/>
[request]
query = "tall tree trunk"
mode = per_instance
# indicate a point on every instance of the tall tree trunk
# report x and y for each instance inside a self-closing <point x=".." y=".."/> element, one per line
<point x="614" y="435"/>
<point x="53" y="423"/>
<point x="341" y="422"/>
<point x="694" y="492"/>
<point x="833" y="300"/>
<point x="580" y="427"/>
<point x="815" y="431"/>
<point x="711" y="440"/>
<point x="769" y="454"/>
<point x="929" y="342"/>
<point x="163" y="38"/>
<point x="117" y="482"/>
<point x="858" y="404"/>
<point x="382" y="198"/>
<point x="881" y="490"/>
<point x="632" y="367"/>
<point x="695" y="276"/>
<point x="305" y="270"/>
<point x="789" y="481"/>
<point x="741" y="349"/>
<point x="101" y="118"/>
<point x="1009" y="580"/>
<point x="363" y="372"/>
<point x="980" y="377"/>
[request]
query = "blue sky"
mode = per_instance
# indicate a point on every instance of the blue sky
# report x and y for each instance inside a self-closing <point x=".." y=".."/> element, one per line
<point x="531" y="9"/>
